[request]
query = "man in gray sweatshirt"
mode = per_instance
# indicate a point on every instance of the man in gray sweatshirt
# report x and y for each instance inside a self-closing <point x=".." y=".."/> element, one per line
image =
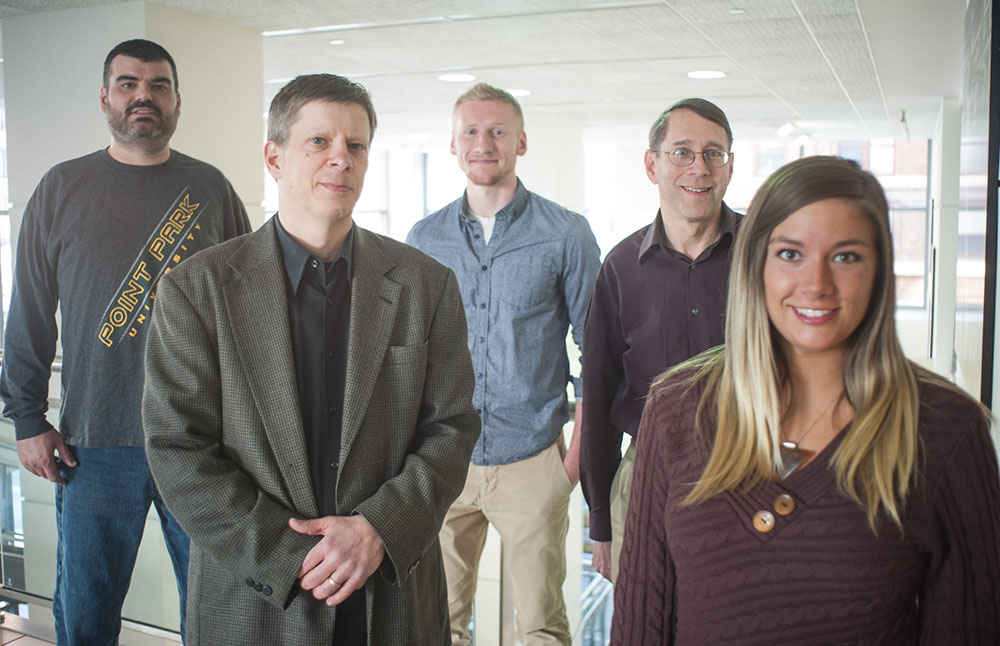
<point x="95" y="237"/>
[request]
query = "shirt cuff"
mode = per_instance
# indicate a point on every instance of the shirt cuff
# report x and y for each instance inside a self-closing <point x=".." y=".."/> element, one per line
<point x="28" y="427"/>
<point x="600" y="526"/>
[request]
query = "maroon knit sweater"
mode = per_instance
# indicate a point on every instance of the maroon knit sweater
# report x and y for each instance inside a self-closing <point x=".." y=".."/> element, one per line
<point x="704" y="575"/>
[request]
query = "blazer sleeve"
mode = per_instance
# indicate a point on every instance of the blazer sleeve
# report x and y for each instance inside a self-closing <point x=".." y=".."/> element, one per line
<point x="219" y="504"/>
<point x="408" y="509"/>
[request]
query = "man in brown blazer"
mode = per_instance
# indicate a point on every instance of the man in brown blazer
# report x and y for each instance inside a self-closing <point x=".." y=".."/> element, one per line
<point x="308" y="405"/>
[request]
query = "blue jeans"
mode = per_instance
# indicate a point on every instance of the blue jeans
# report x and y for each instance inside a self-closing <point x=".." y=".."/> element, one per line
<point x="100" y="515"/>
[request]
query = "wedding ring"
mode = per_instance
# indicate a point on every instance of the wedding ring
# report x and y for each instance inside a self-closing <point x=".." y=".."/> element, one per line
<point x="332" y="582"/>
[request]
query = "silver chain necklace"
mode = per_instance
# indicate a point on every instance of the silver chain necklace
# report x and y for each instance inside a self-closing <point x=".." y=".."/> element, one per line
<point x="792" y="457"/>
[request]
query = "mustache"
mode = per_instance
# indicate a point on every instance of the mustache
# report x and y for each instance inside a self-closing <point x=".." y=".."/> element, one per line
<point x="149" y="105"/>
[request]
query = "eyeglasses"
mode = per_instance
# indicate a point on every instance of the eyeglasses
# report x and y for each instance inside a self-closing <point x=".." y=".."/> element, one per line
<point x="685" y="157"/>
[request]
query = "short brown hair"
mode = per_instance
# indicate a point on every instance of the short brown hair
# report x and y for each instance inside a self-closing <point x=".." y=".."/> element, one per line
<point x="487" y="92"/>
<point x="287" y="103"/>
<point x="145" y="50"/>
<point x="701" y="107"/>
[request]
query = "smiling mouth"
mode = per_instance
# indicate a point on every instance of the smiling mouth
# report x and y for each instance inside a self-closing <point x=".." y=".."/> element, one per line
<point x="810" y="312"/>
<point x="696" y="191"/>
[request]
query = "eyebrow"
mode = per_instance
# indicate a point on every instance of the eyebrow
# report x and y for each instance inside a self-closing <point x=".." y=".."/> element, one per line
<point x="479" y="124"/>
<point x="850" y="242"/>
<point x="129" y="77"/>
<point x="687" y="142"/>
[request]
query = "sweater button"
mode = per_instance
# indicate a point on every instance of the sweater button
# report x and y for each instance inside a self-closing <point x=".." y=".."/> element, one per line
<point x="784" y="504"/>
<point x="763" y="521"/>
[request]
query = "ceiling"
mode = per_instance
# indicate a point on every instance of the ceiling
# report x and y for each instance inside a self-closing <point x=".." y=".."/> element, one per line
<point x="832" y="68"/>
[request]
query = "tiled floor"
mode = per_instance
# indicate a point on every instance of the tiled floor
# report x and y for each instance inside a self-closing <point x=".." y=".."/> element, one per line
<point x="8" y="636"/>
<point x="38" y="631"/>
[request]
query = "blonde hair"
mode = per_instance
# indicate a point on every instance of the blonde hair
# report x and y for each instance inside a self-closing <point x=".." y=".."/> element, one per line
<point x="877" y="460"/>
<point x="487" y="92"/>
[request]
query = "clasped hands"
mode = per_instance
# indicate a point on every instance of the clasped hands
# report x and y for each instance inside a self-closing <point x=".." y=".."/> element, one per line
<point x="347" y="554"/>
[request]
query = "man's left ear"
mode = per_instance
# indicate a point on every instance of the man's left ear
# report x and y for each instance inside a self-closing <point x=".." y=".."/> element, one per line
<point x="178" y="104"/>
<point x="522" y="144"/>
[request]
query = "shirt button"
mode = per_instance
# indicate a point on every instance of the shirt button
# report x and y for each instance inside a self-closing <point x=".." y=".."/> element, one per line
<point x="694" y="310"/>
<point x="314" y="263"/>
<point x="476" y="236"/>
<point x="329" y="355"/>
<point x="333" y="465"/>
<point x="482" y="339"/>
<point x="482" y="306"/>
<point x="484" y="267"/>
<point x="480" y="375"/>
<point x="784" y="504"/>
<point x="329" y="301"/>
<point x="479" y="411"/>
<point x="333" y="408"/>
<point x="763" y="521"/>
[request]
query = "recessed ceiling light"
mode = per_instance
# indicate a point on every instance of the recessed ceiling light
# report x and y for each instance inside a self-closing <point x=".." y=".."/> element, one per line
<point x="736" y="11"/>
<point x="519" y="92"/>
<point x="457" y="78"/>
<point x="336" y="41"/>
<point x="786" y="130"/>
<point x="706" y="74"/>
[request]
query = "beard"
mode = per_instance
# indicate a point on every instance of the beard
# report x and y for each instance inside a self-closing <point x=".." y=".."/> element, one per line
<point x="149" y="134"/>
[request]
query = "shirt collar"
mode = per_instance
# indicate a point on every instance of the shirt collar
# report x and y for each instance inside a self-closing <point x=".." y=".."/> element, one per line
<point x="295" y="256"/>
<point x="517" y="205"/>
<point x="656" y="237"/>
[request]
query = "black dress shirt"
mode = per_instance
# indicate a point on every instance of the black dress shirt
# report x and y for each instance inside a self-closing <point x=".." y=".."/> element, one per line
<point x="319" y="316"/>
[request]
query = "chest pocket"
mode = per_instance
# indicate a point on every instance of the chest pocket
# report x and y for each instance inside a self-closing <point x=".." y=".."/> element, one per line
<point x="526" y="278"/>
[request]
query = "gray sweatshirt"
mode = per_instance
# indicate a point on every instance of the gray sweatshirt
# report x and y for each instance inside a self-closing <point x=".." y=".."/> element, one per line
<point x="95" y="238"/>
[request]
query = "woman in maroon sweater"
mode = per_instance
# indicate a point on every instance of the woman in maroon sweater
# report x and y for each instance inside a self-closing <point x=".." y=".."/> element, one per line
<point x="806" y="483"/>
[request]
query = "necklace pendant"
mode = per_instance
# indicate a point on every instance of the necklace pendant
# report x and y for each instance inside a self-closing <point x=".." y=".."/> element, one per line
<point x="792" y="457"/>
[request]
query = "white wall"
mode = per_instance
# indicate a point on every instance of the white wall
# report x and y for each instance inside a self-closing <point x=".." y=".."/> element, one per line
<point x="221" y="83"/>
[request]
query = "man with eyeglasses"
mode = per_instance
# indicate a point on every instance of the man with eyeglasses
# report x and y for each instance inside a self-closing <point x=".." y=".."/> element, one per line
<point x="659" y="300"/>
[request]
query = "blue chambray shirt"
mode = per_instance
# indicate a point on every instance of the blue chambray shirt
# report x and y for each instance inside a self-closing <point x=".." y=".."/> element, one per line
<point x="521" y="293"/>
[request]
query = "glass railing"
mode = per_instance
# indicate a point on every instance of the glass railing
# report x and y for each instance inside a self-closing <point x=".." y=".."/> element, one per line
<point x="28" y="542"/>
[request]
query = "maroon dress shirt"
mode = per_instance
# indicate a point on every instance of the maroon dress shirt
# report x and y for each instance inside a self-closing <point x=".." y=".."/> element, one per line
<point x="653" y="307"/>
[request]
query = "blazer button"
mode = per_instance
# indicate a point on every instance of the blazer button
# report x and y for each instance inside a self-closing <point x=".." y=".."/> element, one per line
<point x="763" y="521"/>
<point x="267" y="591"/>
<point x="250" y="582"/>
<point x="259" y="587"/>
<point x="784" y="504"/>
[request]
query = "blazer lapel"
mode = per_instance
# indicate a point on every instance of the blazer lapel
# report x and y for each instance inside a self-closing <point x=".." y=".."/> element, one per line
<point x="257" y="304"/>
<point x="374" y="299"/>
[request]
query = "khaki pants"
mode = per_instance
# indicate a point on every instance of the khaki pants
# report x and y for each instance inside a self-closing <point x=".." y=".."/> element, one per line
<point x="621" y="490"/>
<point x="527" y="502"/>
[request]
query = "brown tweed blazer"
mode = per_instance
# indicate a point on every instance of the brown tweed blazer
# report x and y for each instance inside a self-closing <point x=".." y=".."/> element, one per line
<point x="226" y="446"/>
